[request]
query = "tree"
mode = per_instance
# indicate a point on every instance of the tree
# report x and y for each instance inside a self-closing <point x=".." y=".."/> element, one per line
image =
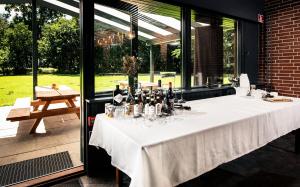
<point x="59" y="45"/>
<point x="3" y="49"/>
<point x="4" y="53"/>
<point x="16" y="48"/>
<point x="228" y="47"/>
<point x="3" y="27"/>
<point x="24" y="15"/>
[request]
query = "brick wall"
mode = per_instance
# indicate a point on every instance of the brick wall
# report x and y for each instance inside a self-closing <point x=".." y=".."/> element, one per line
<point x="280" y="47"/>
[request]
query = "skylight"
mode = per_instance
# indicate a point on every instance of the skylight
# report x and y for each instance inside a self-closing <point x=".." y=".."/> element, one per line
<point x="123" y="27"/>
<point x="126" y="17"/>
<point x="99" y="18"/>
<point x="145" y="35"/>
<point x="171" y="22"/>
<point x="63" y="5"/>
<point x="202" y="24"/>
<point x="109" y="22"/>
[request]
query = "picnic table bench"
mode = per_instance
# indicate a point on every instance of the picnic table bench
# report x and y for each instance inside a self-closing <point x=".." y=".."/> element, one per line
<point x="25" y="109"/>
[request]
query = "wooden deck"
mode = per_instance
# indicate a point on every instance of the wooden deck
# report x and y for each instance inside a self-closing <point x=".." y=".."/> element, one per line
<point x="54" y="134"/>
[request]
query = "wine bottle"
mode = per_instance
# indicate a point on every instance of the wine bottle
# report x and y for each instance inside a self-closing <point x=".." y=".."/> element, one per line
<point x="129" y="98"/>
<point x="136" y="111"/>
<point x="170" y="98"/>
<point x="117" y="96"/>
<point x="158" y="106"/>
<point x="140" y="102"/>
<point x="159" y="83"/>
<point x="151" y="114"/>
<point x="129" y="102"/>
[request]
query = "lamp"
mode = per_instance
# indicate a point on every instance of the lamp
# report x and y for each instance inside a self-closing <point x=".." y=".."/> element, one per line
<point x="131" y="35"/>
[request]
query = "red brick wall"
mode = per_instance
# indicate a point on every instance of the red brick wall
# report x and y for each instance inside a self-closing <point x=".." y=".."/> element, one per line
<point x="280" y="46"/>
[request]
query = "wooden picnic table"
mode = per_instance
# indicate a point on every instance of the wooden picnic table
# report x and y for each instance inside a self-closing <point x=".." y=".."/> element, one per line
<point x="45" y="97"/>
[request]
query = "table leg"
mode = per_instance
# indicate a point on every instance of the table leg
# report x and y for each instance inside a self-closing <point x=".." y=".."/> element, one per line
<point x="38" y="120"/>
<point x="71" y="102"/>
<point x="297" y="141"/>
<point x="118" y="178"/>
<point x="36" y="104"/>
<point x="68" y="103"/>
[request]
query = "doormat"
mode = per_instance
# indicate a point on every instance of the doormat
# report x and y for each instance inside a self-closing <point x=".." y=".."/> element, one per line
<point x="37" y="167"/>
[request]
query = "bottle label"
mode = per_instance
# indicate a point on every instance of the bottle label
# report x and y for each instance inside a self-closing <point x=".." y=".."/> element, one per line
<point x="136" y="110"/>
<point x="141" y="108"/>
<point x="158" y="108"/>
<point x="118" y="98"/>
<point x="151" y="111"/>
<point x="146" y="109"/>
<point x="127" y="109"/>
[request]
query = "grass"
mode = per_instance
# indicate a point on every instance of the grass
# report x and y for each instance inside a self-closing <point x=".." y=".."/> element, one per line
<point x="12" y="87"/>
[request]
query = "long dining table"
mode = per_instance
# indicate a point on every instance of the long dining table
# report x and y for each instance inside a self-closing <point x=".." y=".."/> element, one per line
<point x="172" y="150"/>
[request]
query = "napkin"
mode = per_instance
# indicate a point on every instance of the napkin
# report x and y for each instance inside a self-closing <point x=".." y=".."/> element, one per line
<point x="244" y="81"/>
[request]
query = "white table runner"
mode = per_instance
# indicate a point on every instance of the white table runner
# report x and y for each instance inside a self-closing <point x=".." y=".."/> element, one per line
<point x="168" y="152"/>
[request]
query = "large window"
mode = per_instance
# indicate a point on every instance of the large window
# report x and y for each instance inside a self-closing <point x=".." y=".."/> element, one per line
<point x="213" y="49"/>
<point x="112" y="42"/>
<point x="156" y="29"/>
<point x="157" y="50"/>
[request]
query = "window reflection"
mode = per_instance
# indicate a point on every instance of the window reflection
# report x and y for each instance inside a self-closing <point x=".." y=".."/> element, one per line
<point x="112" y="42"/>
<point x="213" y="50"/>
<point x="160" y="57"/>
<point x="158" y="47"/>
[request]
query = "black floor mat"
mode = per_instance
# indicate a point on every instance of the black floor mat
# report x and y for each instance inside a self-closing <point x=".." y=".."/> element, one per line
<point x="28" y="169"/>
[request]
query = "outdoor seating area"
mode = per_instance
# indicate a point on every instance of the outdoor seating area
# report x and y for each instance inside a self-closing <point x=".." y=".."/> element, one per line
<point x="24" y="109"/>
<point x="46" y="127"/>
<point x="53" y="134"/>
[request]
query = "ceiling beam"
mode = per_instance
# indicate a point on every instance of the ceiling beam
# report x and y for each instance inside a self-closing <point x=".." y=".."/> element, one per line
<point x="58" y="8"/>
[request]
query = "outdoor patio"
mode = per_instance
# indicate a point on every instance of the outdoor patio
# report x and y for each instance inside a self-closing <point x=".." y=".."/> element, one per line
<point x="53" y="135"/>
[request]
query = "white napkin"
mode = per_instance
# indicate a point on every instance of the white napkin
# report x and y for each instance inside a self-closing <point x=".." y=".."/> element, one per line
<point x="244" y="81"/>
<point x="244" y="85"/>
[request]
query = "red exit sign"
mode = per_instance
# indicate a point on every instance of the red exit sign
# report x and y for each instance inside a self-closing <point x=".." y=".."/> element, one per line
<point x="260" y="18"/>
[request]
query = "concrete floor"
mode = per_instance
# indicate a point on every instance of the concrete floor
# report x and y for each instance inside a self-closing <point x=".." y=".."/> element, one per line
<point x="274" y="165"/>
<point x="54" y="134"/>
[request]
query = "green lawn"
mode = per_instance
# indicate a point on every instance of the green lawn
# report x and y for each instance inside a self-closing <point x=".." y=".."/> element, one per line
<point x="12" y="87"/>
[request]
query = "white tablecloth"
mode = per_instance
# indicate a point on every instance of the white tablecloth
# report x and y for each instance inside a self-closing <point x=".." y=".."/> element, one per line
<point x="217" y="130"/>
